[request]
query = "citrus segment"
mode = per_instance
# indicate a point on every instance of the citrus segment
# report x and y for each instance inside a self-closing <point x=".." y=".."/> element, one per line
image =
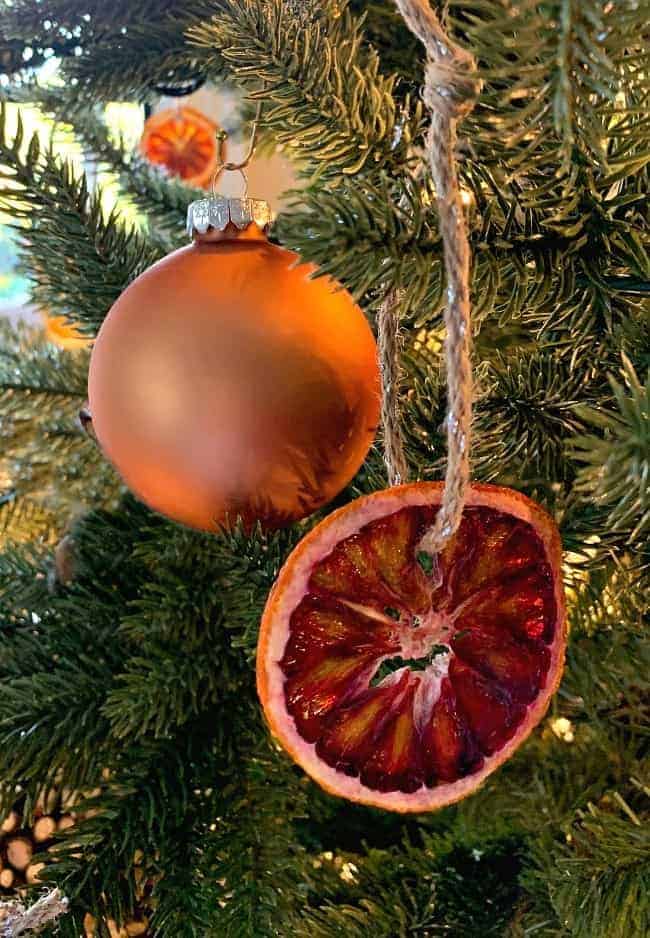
<point x="491" y="712"/>
<point x="451" y="751"/>
<point x="395" y="762"/>
<point x="350" y="738"/>
<point x="400" y="679"/>
<point x="379" y="566"/>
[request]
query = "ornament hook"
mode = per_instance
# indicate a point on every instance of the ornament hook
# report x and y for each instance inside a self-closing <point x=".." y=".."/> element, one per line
<point x="240" y="166"/>
<point x="231" y="168"/>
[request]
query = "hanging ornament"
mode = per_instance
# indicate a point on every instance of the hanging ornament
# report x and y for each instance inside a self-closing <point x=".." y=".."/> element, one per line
<point x="60" y="332"/>
<point x="401" y="679"/>
<point x="183" y="140"/>
<point x="415" y="637"/>
<point x="227" y="381"/>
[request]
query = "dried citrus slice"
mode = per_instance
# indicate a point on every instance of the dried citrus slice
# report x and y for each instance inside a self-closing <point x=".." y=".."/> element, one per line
<point x="402" y="680"/>
<point x="183" y="140"/>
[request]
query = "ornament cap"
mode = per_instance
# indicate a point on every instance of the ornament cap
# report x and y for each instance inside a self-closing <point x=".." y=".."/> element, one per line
<point x="219" y="211"/>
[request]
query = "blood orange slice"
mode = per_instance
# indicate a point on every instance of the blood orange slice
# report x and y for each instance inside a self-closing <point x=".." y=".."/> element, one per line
<point x="183" y="140"/>
<point x="402" y="680"/>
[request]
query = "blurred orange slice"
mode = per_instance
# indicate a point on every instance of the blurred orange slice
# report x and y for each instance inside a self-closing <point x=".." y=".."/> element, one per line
<point x="184" y="141"/>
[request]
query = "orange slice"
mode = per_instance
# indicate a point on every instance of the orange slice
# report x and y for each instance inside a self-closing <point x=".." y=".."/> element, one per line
<point x="183" y="141"/>
<point x="402" y="680"/>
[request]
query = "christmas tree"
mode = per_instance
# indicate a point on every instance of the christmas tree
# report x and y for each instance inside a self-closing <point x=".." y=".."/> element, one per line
<point x="127" y="641"/>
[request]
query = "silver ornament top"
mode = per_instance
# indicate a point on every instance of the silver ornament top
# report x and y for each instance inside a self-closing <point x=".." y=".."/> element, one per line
<point x="218" y="211"/>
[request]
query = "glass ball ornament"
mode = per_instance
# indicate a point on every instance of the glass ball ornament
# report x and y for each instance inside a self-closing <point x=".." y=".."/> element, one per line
<point x="228" y="381"/>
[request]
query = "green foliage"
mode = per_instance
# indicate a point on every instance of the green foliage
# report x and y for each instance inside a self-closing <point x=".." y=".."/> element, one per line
<point x="327" y="99"/>
<point x="562" y="78"/>
<point x="164" y="198"/>
<point x="152" y="54"/>
<point x="524" y="415"/>
<point x="385" y="29"/>
<point x="79" y="261"/>
<point x="597" y="879"/>
<point x="253" y="849"/>
<point x="616" y="464"/>
<point x="23" y="519"/>
<point x="432" y="888"/>
<point x="69" y="29"/>
<point x="47" y="462"/>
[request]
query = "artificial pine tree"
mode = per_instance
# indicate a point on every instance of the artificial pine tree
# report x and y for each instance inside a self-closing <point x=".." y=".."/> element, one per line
<point x="128" y="671"/>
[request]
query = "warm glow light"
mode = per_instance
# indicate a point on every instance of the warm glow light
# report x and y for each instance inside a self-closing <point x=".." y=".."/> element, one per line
<point x="348" y="871"/>
<point x="563" y="729"/>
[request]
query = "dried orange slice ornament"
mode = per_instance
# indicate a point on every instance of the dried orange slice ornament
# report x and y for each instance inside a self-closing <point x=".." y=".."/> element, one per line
<point x="183" y="140"/>
<point x="401" y="680"/>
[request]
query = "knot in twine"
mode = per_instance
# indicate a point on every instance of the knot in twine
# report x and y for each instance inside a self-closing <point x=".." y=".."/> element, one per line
<point x="450" y="92"/>
<point x="451" y="87"/>
<point x="16" y="920"/>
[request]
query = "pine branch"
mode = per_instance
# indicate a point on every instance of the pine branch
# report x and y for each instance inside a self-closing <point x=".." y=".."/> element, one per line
<point x="53" y="682"/>
<point x="26" y="19"/>
<point x="134" y="707"/>
<point x="327" y="99"/>
<point x="525" y="415"/>
<point x="47" y="459"/>
<point x="142" y="63"/>
<point x="23" y="520"/>
<point x="29" y="367"/>
<point x="253" y="853"/>
<point x="399" y="50"/>
<point x="606" y="685"/>
<point x="528" y="262"/>
<point x="607" y="591"/>
<point x="616" y="462"/>
<point x="144" y="797"/>
<point x="50" y="725"/>
<point x="123" y="52"/>
<point x="79" y="262"/>
<point x="553" y="79"/>
<point x="634" y="341"/>
<point x="597" y="879"/>
<point x="141" y="59"/>
<point x="426" y="888"/>
<point x="24" y="585"/>
<point x="163" y="197"/>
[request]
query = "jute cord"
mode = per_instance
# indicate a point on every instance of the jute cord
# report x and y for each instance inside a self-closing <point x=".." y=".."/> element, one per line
<point x="16" y="920"/>
<point x="450" y="91"/>
<point x="388" y="344"/>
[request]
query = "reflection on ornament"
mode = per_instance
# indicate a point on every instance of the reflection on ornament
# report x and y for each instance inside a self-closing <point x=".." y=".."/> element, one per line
<point x="183" y="141"/>
<point x="225" y="381"/>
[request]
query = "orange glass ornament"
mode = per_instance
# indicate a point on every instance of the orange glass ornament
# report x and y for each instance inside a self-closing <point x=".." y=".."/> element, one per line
<point x="183" y="140"/>
<point x="226" y="382"/>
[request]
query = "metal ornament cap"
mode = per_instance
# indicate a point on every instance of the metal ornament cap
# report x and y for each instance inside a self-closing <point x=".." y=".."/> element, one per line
<point x="219" y="211"/>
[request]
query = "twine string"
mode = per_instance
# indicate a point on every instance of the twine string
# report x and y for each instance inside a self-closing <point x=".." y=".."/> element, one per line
<point x="388" y="347"/>
<point x="450" y="91"/>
